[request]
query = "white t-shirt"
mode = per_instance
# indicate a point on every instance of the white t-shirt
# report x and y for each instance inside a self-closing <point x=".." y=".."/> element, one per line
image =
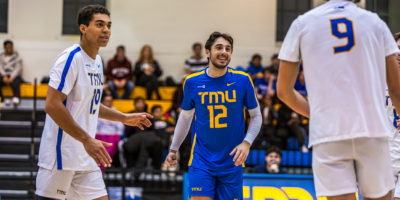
<point x="343" y="49"/>
<point x="80" y="78"/>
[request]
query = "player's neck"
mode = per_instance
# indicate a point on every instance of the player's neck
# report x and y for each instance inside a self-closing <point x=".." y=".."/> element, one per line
<point x="216" y="72"/>
<point x="90" y="49"/>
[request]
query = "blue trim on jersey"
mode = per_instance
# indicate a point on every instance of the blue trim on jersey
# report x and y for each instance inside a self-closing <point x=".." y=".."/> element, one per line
<point x="66" y="68"/>
<point x="58" y="146"/>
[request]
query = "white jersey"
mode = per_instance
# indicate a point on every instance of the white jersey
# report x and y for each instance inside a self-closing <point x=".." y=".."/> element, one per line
<point x="394" y="140"/>
<point x="80" y="78"/>
<point x="343" y="49"/>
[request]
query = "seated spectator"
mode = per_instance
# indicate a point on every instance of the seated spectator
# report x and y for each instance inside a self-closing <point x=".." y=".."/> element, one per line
<point x="289" y="123"/>
<point x="10" y="71"/>
<point x="109" y="131"/>
<point x="265" y="86"/>
<point x="274" y="64"/>
<point x="141" y="145"/>
<point x="147" y="71"/>
<point x="196" y="62"/>
<point x="272" y="162"/>
<point x="300" y="84"/>
<point x="163" y="128"/>
<point x="255" y="68"/>
<point x="267" y="136"/>
<point x="119" y="74"/>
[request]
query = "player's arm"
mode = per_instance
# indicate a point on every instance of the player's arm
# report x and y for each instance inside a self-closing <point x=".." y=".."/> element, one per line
<point x="131" y="119"/>
<point x="181" y="131"/>
<point x="393" y="79"/>
<point x="59" y="113"/>
<point x="285" y="87"/>
<point x="242" y="150"/>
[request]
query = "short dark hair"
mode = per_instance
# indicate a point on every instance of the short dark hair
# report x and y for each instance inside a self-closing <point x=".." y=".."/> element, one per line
<point x="274" y="149"/>
<point x="215" y="36"/>
<point x="397" y="36"/>
<point x="105" y="94"/>
<point x="155" y="107"/>
<point x="268" y="69"/>
<point x="256" y="56"/>
<point x="85" y="14"/>
<point x="274" y="56"/>
<point x="7" y="42"/>
<point x="122" y="47"/>
<point x="195" y="45"/>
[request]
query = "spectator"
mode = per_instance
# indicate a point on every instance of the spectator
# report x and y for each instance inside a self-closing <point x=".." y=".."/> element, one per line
<point x="255" y="68"/>
<point x="274" y="64"/>
<point x="162" y="127"/>
<point x="272" y="162"/>
<point x="141" y="145"/>
<point x="109" y="131"/>
<point x="265" y="86"/>
<point x="267" y="135"/>
<point x="119" y="74"/>
<point x="10" y="71"/>
<point x="196" y="62"/>
<point x="289" y="123"/>
<point x="300" y="84"/>
<point x="147" y="71"/>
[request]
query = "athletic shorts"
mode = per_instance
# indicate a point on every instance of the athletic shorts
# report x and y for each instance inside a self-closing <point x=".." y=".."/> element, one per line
<point x="217" y="184"/>
<point x="65" y="184"/>
<point x="339" y="166"/>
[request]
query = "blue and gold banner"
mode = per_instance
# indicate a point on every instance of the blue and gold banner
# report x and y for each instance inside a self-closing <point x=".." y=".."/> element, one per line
<point x="273" y="187"/>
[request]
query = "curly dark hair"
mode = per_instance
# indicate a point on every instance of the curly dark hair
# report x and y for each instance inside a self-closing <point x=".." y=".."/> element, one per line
<point x="273" y="149"/>
<point x="85" y="14"/>
<point x="214" y="36"/>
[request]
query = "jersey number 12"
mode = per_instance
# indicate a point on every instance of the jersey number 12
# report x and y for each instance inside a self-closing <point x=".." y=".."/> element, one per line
<point x="214" y="122"/>
<point x="347" y="34"/>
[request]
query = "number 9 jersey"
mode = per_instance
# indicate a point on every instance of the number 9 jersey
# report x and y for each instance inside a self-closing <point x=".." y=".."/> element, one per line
<point x="219" y="124"/>
<point x="78" y="76"/>
<point x="343" y="50"/>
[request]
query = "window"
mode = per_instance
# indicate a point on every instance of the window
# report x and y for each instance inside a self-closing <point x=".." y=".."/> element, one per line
<point x="3" y="16"/>
<point x="387" y="11"/>
<point x="70" y="10"/>
<point x="287" y="11"/>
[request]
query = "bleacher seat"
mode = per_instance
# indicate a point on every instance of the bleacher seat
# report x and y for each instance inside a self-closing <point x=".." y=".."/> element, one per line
<point x="127" y="105"/>
<point x="26" y="89"/>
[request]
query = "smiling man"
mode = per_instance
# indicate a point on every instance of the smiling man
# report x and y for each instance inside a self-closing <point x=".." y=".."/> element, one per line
<point x="69" y="155"/>
<point x="217" y="97"/>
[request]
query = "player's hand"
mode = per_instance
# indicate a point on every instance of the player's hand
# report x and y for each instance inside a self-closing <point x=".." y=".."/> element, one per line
<point x="137" y="119"/>
<point x="95" y="149"/>
<point x="241" y="151"/>
<point x="398" y="124"/>
<point x="172" y="159"/>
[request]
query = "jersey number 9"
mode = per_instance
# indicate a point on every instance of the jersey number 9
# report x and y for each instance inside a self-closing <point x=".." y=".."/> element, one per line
<point x="347" y="34"/>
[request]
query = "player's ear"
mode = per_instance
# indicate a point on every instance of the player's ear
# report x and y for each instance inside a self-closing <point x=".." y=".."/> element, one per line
<point x="82" y="28"/>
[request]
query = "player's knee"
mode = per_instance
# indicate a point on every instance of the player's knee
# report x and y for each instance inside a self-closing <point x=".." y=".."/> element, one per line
<point x="42" y="198"/>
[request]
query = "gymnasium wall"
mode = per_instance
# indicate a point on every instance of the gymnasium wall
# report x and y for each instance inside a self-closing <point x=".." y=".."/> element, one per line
<point x="171" y="27"/>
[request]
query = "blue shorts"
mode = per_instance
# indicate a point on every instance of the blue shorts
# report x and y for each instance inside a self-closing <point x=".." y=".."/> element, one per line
<point x="217" y="184"/>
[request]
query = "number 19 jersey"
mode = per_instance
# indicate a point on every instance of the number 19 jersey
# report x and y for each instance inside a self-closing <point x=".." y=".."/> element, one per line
<point x="219" y="124"/>
<point x="343" y="49"/>
<point x="78" y="76"/>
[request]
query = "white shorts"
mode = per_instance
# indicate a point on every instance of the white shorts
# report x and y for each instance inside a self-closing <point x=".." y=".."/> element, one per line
<point x="339" y="166"/>
<point x="62" y="184"/>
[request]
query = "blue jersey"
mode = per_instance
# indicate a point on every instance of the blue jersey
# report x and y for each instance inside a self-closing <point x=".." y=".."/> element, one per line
<point x="219" y="124"/>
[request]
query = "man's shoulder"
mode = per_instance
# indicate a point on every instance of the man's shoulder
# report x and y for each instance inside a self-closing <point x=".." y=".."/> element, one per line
<point x="240" y="75"/>
<point x="194" y="76"/>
